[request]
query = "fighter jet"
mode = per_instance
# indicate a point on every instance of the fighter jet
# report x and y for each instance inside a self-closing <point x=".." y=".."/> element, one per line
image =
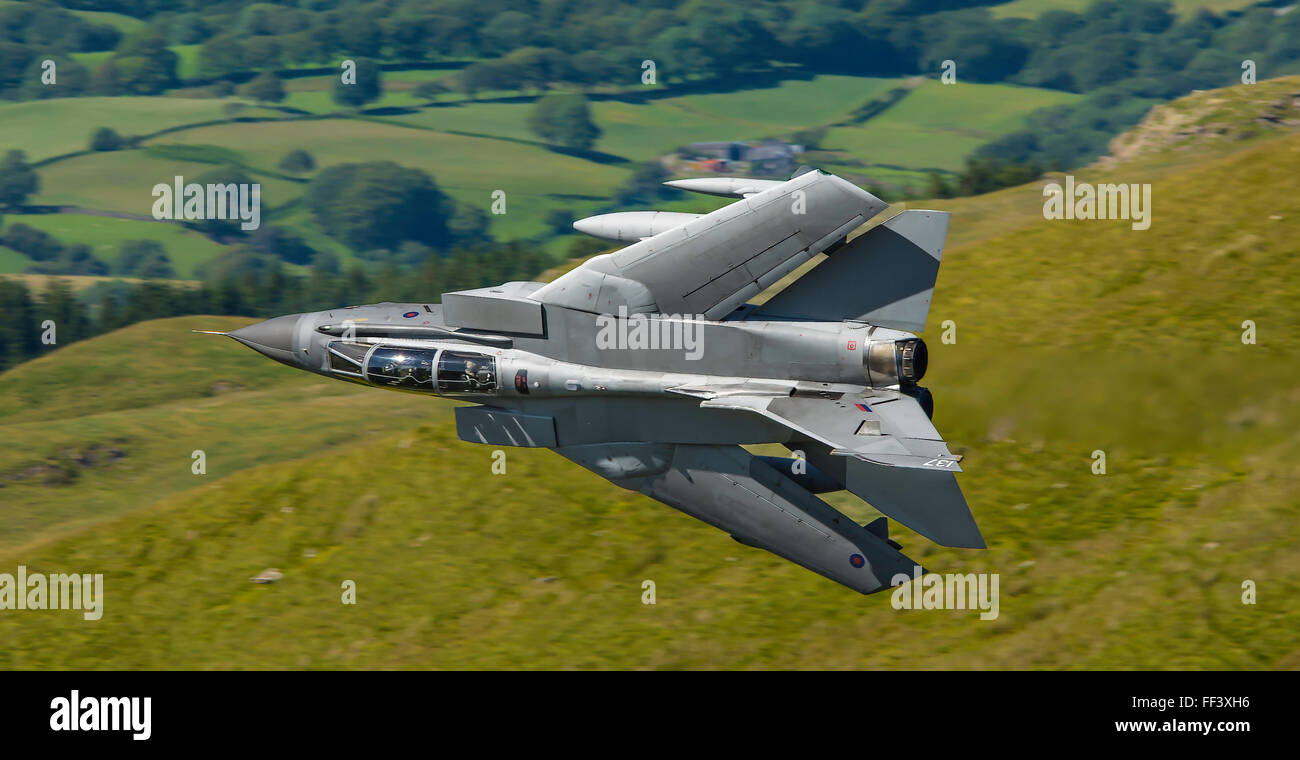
<point x="650" y="367"/>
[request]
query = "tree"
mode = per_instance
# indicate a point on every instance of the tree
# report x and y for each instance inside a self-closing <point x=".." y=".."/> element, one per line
<point x="74" y="259"/>
<point x="368" y="86"/>
<point x="19" y="336"/>
<point x="105" y="139"/>
<point x="936" y="186"/>
<point x="468" y="222"/>
<point x="17" y="180"/>
<point x="70" y="79"/>
<point x="646" y="185"/>
<point x="559" y="220"/>
<point x="431" y="90"/>
<point x="297" y="161"/>
<point x="486" y="75"/>
<point x="144" y="258"/>
<point x="811" y="138"/>
<point x="220" y="56"/>
<point x="60" y="304"/>
<point x="361" y="36"/>
<point x="535" y="67"/>
<point x="380" y="205"/>
<point x="564" y="120"/>
<point x="229" y="228"/>
<point x="37" y="245"/>
<point x="14" y="60"/>
<point x="143" y="65"/>
<point x="264" y="50"/>
<point x="283" y="244"/>
<point x="595" y="67"/>
<point x="507" y="31"/>
<point x="264" y="88"/>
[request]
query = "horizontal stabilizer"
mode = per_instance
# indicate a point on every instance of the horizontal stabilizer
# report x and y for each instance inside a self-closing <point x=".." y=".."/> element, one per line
<point x="930" y="503"/>
<point x="885" y="276"/>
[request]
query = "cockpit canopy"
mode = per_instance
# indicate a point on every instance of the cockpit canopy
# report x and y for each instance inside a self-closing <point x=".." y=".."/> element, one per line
<point x="414" y="368"/>
<point x="406" y="368"/>
<point x="465" y="372"/>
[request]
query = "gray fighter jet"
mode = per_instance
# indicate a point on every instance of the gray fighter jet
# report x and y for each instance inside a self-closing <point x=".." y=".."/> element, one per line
<point x="649" y="367"/>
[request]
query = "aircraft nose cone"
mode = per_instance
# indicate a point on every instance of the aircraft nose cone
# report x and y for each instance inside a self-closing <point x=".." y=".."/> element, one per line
<point x="273" y="338"/>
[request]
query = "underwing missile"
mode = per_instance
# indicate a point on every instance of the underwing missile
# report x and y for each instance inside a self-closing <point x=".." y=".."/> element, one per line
<point x="727" y="187"/>
<point x="632" y="226"/>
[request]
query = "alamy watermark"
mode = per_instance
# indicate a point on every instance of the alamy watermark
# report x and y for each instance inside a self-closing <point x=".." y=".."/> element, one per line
<point x="77" y="713"/>
<point x="1082" y="200"/>
<point x="949" y="591"/>
<point x="658" y="332"/>
<point x="56" y="591"/>
<point x="230" y="201"/>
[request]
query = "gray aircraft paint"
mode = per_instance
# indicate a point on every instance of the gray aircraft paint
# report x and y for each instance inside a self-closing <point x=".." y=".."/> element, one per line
<point x="823" y="367"/>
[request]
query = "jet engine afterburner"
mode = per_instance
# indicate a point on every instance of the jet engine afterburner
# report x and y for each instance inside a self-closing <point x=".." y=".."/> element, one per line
<point x="895" y="363"/>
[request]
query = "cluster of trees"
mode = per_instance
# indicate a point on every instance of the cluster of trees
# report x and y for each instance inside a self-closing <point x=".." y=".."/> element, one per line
<point x="382" y="204"/>
<point x="50" y="256"/>
<point x="538" y="44"/>
<point x="33" y="31"/>
<point x="983" y="174"/>
<point x="251" y="292"/>
<point x="564" y="120"/>
<point x="1125" y="54"/>
<point x="17" y="180"/>
<point x="376" y="206"/>
<point x="136" y="258"/>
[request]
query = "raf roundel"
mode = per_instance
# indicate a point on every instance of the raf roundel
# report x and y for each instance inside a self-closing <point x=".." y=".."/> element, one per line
<point x="411" y="314"/>
<point x="857" y="561"/>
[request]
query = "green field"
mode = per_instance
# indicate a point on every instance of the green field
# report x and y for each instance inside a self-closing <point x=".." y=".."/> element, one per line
<point x="474" y="148"/>
<point x="1071" y="337"/>
<point x="534" y="179"/>
<point x="46" y="128"/>
<point x="124" y="180"/>
<point x="642" y="131"/>
<point x="187" y="57"/>
<point x="936" y="126"/>
<point x="105" y="234"/>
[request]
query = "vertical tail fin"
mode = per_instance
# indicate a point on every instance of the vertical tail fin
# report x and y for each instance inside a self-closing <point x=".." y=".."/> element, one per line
<point x="885" y="276"/>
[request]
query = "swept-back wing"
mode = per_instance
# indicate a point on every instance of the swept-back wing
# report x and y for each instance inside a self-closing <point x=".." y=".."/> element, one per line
<point x="713" y="264"/>
<point x="883" y="427"/>
<point x="885" y="450"/>
<point x="730" y="489"/>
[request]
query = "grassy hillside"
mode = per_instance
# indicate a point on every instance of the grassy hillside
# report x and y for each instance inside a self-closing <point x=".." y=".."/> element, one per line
<point x="1211" y="123"/>
<point x="45" y="128"/>
<point x="105" y="235"/>
<point x="107" y="426"/>
<point x="1071" y="337"/>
